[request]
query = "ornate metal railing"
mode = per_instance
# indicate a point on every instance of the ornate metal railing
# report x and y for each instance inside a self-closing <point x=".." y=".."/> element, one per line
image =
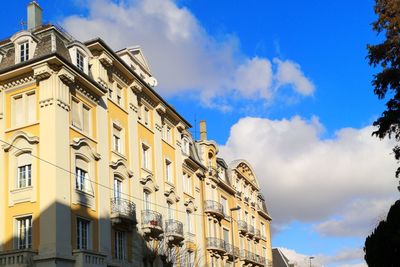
<point x="214" y="206"/>
<point x="260" y="259"/>
<point x="151" y="219"/>
<point x="123" y="207"/>
<point x="242" y="225"/>
<point x="213" y="242"/>
<point x="173" y="227"/>
<point x="231" y="250"/>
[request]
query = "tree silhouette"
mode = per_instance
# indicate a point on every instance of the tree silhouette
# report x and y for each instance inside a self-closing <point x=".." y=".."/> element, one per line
<point x="386" y="55"/>
<point x="382" y="247"/>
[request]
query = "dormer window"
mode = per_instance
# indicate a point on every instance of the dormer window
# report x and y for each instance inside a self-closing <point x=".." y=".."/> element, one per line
<point x="24" y="51"/>
<point x="80" y="61"/>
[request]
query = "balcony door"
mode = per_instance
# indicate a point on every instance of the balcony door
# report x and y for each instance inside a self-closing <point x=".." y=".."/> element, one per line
<point x="117" y="189"/>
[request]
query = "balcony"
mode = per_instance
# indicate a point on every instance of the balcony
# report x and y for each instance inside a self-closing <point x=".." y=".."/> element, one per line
<point x="214" y="208"/>
<point x="242" y="225"/>
<point x="216" y="244"/>
<point x="89" y="259"/>
<point x="123" y="212"/>
<point x="17" y="258"/>
<point x="257" y="235"/>
<point x="249" y="257"/>
<point x="231" y="251"/>
<point x="251" y="231"/>
<point x="152" y="223"/>
<point x="260" y="260"/>
<point x="174" y="231"/>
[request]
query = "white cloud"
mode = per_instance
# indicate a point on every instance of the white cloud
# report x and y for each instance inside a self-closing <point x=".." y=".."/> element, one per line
<point x="354" y="256"/>
<point x="328" y="182"/>
<point x="183" y="56"/>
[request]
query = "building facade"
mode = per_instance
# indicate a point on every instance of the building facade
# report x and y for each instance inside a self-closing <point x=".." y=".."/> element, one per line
<point x="97" y="169"/>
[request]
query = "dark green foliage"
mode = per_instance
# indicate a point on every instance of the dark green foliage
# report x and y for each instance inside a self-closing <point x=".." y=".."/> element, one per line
<point x="382" y="247"/>
<point x="387" y="82"/>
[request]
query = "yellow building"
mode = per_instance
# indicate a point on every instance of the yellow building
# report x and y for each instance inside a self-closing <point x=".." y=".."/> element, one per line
<point x="97" y="169"/>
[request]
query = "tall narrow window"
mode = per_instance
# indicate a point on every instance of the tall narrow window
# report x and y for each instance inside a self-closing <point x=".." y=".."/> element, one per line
<point x="86" y="118"/>
<point x="24" y="234"/>
<point x="168" y="171"/>
<point x="189" y="221"/>
<point x="82" y="234"/>
<point x="224" y="204"/>
<point x="120" y="245"/>
<point x="18" y="116"/>
<point x="146" y="199"/>
<point x="82" y="179"/>
<point x="145" y="157"/>
<point x="24" y="51"/>
<point x="117" y="189"/>
<point x="226" y="236"/>
<point x="80" y="60"/>
<point x="265" y="254"/>
<point x="31" y="106"/>
<point x="262" y="229"/>
<point x="117" y="146"/>
<point x="184" y="177"/>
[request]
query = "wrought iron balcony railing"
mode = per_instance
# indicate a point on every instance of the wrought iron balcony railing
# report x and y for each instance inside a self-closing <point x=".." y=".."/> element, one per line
<point x="215" y="243"/>
<point x="151" y="219"/>
<point x="214" y="207"/>
<point x="123" y="208"/>
<point x="174" y="228"/>
<point x="242" y="225"/>
<point x="231" y="250"/>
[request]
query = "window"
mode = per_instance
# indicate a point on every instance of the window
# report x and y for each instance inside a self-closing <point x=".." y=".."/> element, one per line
<point x="224" y="204"/>
<point x="110" y="93"/>
<point x="82" y="234"/>
<point x="81" y="115"/>
<point x="117" y="146"/>
<point x="168" y="171"/>
<point x="117" y="189"/>
<point x="24" y="232"/>
<point x="265" y="255"/>
<point x="226" y="236"/>
<point x="23" y="108"/>
<point x="170" y="212"/>
<point x="120" y="245"/>
<point x="80" y="60"/>
<point x="82" y="181"/>
<point x="146" y="199"/>
<point x="262" y="230"/>
<point x="189" y="221"/>
<point x="81" y="178"/>
<point x="185" y="146"/>
<point x="24" y="51"/>
<point x="24" y="176"/>
<point x="167" y="133"/>
<point x="145" y="157"/>
<point x="187" y="183"/>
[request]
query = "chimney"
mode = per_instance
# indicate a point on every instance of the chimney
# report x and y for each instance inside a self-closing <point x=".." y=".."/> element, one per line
<point x="203" y="130"/>
<point x="34" y="15"/>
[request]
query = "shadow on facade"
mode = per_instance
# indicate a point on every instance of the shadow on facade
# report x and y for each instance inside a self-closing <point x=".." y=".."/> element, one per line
<point x="59" y="236"/>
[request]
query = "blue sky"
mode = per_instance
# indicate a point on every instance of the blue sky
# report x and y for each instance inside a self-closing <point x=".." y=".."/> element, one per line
<point x="285" y="84"/>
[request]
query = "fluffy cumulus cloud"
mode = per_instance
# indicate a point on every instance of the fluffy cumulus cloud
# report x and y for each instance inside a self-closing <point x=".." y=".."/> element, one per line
<point x="330" y="182"/>
<point x="183" y="56"/>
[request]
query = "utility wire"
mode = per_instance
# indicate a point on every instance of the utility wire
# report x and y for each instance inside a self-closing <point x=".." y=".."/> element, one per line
<point x="99" y="184"/>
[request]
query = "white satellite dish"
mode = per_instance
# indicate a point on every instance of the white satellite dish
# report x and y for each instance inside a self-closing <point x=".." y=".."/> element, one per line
<point x="153" y="82"/>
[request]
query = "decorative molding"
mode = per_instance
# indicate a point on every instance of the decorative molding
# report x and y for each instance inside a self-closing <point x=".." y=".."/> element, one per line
<point x="79" y="142"/>
<point x="20" y="134"/>
<point x="178" y="143"/>
<point x="136" y="86"/>
<point x="106" y="60"/>
<point x="158" y="127"/>
<point x="171" y="194"/>
<point x="66" y="76"/>
<point x="149" y="179"/>
<point x="121" y="162"/>
<point x="87" y="93"/>
<point x="180" y="126"/>
<point x="161" y="108"/>
<point x="17" y="82"/>
<point x="42" y="71"/>
<point x="133" y="107"/>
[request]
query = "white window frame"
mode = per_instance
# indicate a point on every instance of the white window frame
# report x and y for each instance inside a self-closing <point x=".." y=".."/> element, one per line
<point x="83" y="234"/>
<point x="146" y="157"/>
<point x="80" y="60"/>
<point x="26" y="180"/>
<point x="24" y="51"/>
<point x="23" y="232"/>
<point x="146" y="200"/>
<point x="117" y="135"/>
<point x="24" y="111"/>
<point x="117" y="191"/>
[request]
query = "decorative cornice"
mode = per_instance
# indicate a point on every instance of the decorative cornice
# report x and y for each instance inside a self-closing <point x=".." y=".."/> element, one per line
<point x="121" y="162"/>
<point x="136" y="86"/>
<point x="17" y="82"/>
<point x="42" y="71"/>
<point x="133" y="107"/>
<point x="147" y="179"/>
<point x="158" y="127"/>
<point x="171" y="194"/>
<point x="161" y="108"/>
<point x="87" y="93"/>
<point x="20" y="134"/>
<point x="79" y="142"/>
<point x="66" y="76"/>
<point x="106" y="60"/>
